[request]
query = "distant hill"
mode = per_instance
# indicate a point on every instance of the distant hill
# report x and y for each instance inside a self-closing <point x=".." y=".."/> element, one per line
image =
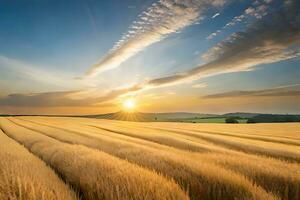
<point x="192" y="117"/>
<point x="268" y="118"/>
<point x="179" y="115"/>
<point x="241" y="114"/>
<point x="139" y="116"/>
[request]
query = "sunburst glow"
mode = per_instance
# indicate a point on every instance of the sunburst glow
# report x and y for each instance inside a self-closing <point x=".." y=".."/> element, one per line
<point x="129" y="105"/>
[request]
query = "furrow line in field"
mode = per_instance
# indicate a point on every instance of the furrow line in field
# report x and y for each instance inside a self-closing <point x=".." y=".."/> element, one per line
<point x="248" y="148"/>
<point x="183" y="145"/>
<point x="234" y="145"/>
<point x="194" y="145"/>
<point x="92" y="134"/>
<point x="278" y="130"/>
<point x="160" y="142"/>
<point x="265" y="138"/>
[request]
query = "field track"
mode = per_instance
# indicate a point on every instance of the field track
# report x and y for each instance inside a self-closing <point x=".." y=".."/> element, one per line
<point x="90" y="159"/>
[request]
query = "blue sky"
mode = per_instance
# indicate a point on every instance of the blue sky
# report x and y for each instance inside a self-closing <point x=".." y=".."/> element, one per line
<point x="51" y="46"/>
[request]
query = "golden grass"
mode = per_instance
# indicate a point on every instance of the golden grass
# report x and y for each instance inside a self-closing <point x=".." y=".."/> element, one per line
<point x="207" y="161"/>
<point x="203" y="180"/>
<point x="251" y="144"/>
<point x="95" y="174"/>
<point x="25" y="177"/>
<point x="282" y="130"/>
<point x="269" y="173"/>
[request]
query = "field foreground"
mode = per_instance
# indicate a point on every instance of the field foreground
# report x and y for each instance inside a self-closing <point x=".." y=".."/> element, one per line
<point x="78" y="158"/>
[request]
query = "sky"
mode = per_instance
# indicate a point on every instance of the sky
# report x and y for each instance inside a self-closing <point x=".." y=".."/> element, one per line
<point x="207" y="56"/>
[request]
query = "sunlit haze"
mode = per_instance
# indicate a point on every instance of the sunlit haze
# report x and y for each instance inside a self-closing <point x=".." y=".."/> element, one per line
<point x="129" y="105"/>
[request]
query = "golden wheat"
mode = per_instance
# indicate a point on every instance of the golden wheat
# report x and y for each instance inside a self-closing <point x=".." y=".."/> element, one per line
<point x="23" y="176"/>
<point x="268" y="148"/>
<point x="203" y="180"/>
<point x="270" y="173"/>
<point x="96" y="174"/>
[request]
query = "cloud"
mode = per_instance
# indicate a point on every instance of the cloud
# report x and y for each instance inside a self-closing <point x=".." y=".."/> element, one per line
<point x="47" y="99"/>
<point x="258" y="10"/>
<point x="63" y="98"/>
<point x="279" y="92"/>
<point x="158" y="21"/>
<point x="199" y="85"/>
<point x="268" y="40"/>
<point x="14" y="71"/>
<point x="214" y="34"/>
<point x="215" y="15"/>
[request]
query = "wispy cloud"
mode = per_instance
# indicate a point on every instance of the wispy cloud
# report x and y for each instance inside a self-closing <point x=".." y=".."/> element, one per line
<point x="199" y="85"/>
<point x="215" y="15"/>
<point x="279" y="92"/>
<point x="63" y="98"/>
<point x="12" y="69"/>
<point x="258" y="10"/>
<point x="268" y="40"/>
<point x="47" y="99"/>
<point x="161" y="19"/>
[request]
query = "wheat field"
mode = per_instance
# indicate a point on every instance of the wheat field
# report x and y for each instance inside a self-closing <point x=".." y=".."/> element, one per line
<point x="80" y="158"/>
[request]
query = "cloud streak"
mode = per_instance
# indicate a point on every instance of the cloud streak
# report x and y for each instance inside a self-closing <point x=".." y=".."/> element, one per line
<point x="215" y="15"/>
<point x="47" y="99"/>
<point x="73" y="98"/>
<point x="158" y="21"/>
<point x="199" y="85"/>
<point x="268" y="40"/>
<point x="257" y="10"/>
<point x="274" y="38"/>
<point x="274" y="92"/>
<point x="14" y="69"/>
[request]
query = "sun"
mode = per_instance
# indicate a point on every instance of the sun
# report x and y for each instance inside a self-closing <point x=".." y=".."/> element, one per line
<point x="129" y="105"/>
